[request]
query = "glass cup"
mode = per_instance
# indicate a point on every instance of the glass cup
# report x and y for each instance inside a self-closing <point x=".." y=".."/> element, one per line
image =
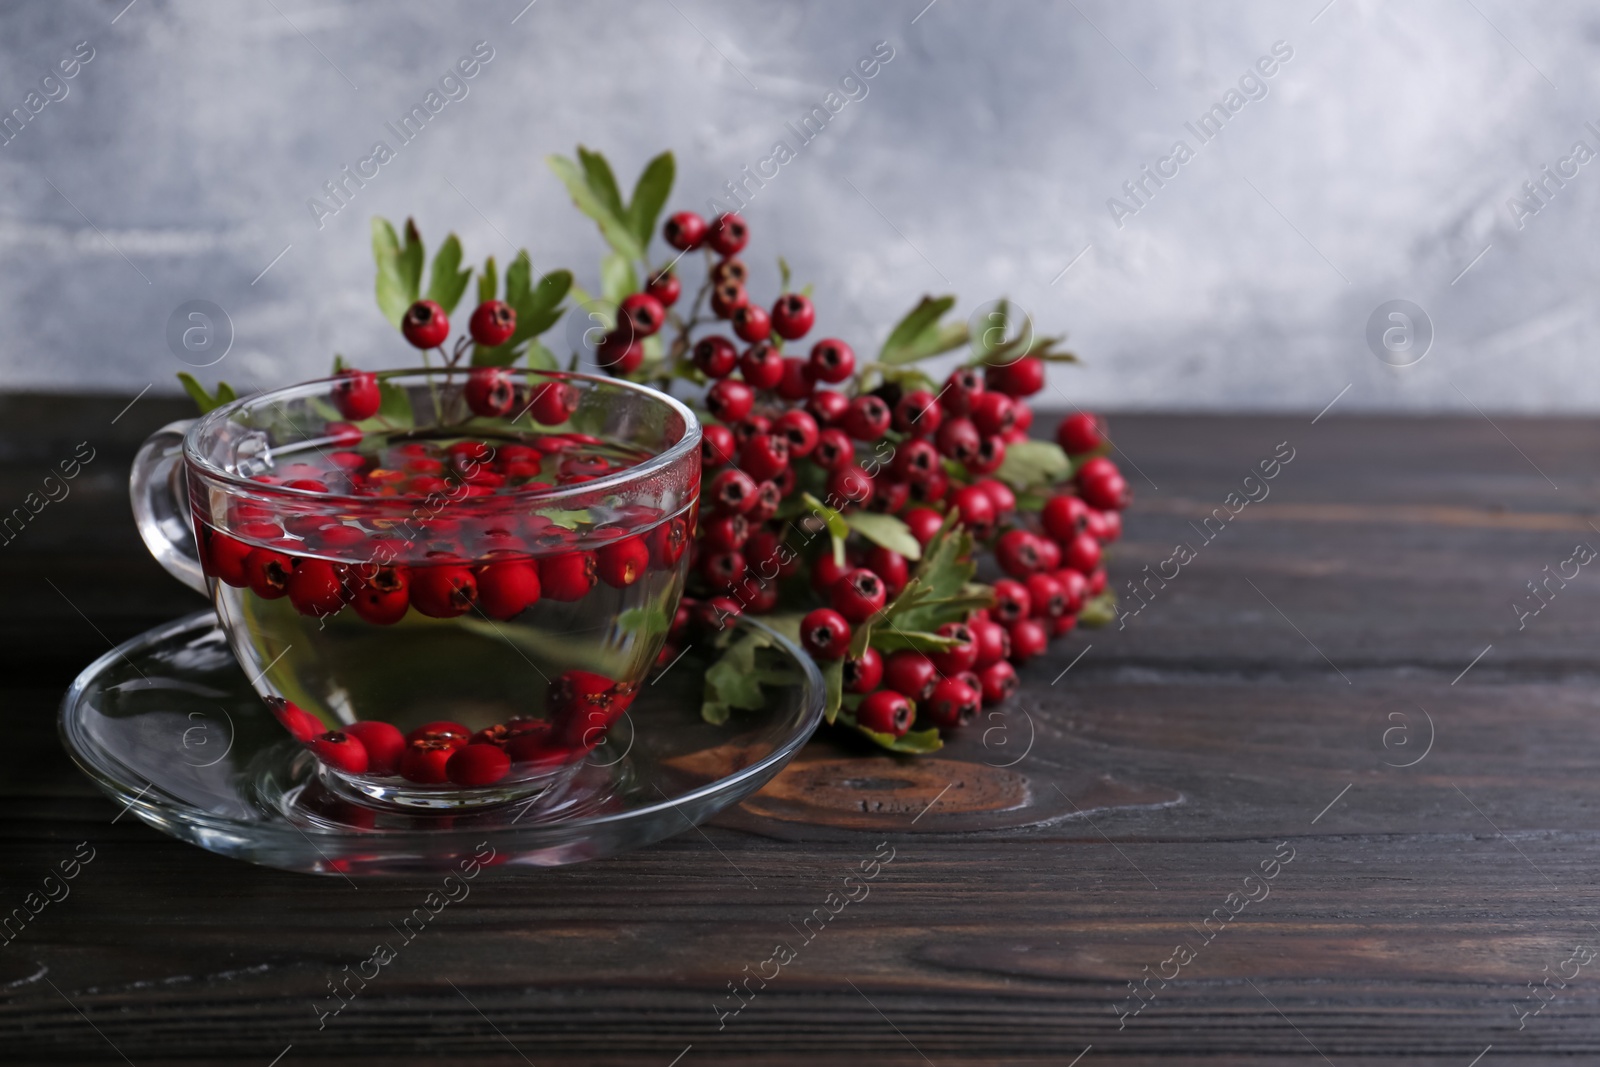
<point x="448" y="609"/>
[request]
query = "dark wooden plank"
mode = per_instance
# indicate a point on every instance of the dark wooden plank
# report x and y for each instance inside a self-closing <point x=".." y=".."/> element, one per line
<point x="1163" y="768"/>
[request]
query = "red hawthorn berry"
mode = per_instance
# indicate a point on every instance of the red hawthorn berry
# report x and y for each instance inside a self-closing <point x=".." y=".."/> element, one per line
<point x="425" y="325"/>
<point x="443" y="590"/>
<point x="618" y="353"/>
<point x="424" y="761"/>
<point x="825" y="634"/>
<point x="1080" y="433"/>
<point x="1017" y="553"/>
<point x="356" y="395"/>
<point x="641" y="312"/>
<point x="931" y="489"/>
<point x="316" y="587"/>
<point x="717" y="447"/>
<point x="717" y="613"/>
<point x="762" y="598"/>
<point x="1110" y="526"/>
<point x="1022" y="377"/>
<point x="1000" y="495"/>
<point x="889" y="495"/>
<point x="885" y="712"/>
<point x="963" y="657"/>
<point x="1046" y="596"/>
<point x="752" y="323"/>
<point x="1074" y="590"/>
<point x="800" y="430"/>
<point x="764" y="456"/>
<point x="665" y="287"/>
<point x="769" y="498"/>
<point x="715" y="356"/>
<point x="383" y="597"/>
<point x="300" y="723"/>
<point x="959" y="439"/>
<point x="832" y="360"/>
<point x="1011" y="601"/>
<point x="507" y="587"/>
<point x="993" y="643"/>
<point x="999" y="682"/>
<point x="224" y="557"/>
<point x="344" y="434"/>
<point x="732" y="492"/>
<point x="993" y="413"/>
<point x="340" y="750"/>
<point x="976" y="510"/>
<point x="443" y="730"/>
<point x="750" y="427"/>
<point x="826" y="406"/>
<point x="567" y="577"/>
<point x="761" y="366"/>
<point x="726" y="298"/>
<point x="1049" y="554"/>
<point x="490" y="391"/>
<point x="960" y="390"/>
<point x="621" y="563"/>
<point x="384" y="744"/>
<point x="668" y="542"/>
<point x="850" y="485"/>
<point x="477" y="765"/>
<point x="1024" y="419"/>
<point x="1097" y="582"/>
<point x="1064" y="517"/>
<point x="924" y="523"/>
<point x="834" y="450"/>
<point x="1081" y="554"/>
<point x="1101" y="485"/>
<point x="858" y="595"/>
<point x="684" y="231"/>
<point x="725" y="533"/>
<point x="792" y="316"/>
<point x="797" y="381"/>
<point x="825" y="573"/>
<point x="723" y="570"/>
<point x="867" y="418"/>
<point x="492" y="323"/>
<point x="729" y="234"/>
<point x="1028" y="638"/>
<point x="865" y="674"/>
<point x="729" y="401"/>
<point x="953" y="703"/>
<point x="917" y="412"/>
<point x="891" y="566"/>
<point x="267" y="572"/>
<point x="991" y="453"/>
<point x="915" y="460"/>
<point x="731" y="269"/>
<point x="553" y="403"/>
<point x="911" y="674"/>
<point x="1063" y="625"/>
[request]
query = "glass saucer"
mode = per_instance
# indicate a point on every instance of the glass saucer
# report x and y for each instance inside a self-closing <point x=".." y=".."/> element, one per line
<point x="168" y="726"/>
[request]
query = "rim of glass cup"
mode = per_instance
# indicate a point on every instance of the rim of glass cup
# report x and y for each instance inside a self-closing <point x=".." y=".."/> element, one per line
<point x="661" y="461"/>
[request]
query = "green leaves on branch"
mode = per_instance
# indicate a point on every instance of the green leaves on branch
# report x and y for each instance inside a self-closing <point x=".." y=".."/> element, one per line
<point x="399" y="268"/>
<point x="991" y="346"/>
<point x="838" y="525"/>
<point x="538" y="308"/>
<point x="628" y="227"/>
<point x="203" y="400"/>
<point x="447" y="281"/>
<point x="920" y="334"/>
<point x="885" y="531"/>
<point x="750" y="662"/>
<point x="1033" y="465"/>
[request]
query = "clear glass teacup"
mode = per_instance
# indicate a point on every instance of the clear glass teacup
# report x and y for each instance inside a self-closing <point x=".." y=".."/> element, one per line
<point x="446" y="609"/>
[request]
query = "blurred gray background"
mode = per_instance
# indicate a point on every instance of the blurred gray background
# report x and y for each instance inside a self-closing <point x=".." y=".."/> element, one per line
<point x="1378" y="162"/>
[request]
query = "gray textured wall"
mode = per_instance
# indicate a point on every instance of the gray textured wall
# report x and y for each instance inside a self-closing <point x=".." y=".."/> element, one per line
<point x="1378" y="165"/>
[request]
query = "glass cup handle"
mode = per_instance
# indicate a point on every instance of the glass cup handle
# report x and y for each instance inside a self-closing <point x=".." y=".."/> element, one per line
<point x="161" y="505"/>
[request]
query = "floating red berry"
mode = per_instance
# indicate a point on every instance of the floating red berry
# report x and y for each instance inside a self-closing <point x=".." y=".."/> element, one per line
<point x="825" y="634"/>
<point x="885" y="712"/>
<point x="316" y="587"/>
<point x="684" y="231"/>
<point x="729" y="234"/>
<point x="492" y="323"/>
<point x="792" y="316"/>
<point x="567" y="577"/>
<point x="384" y="743"/>
<point x="425" y="325"/>
<point x="621" y="563"/>
<point x="341" y="751"/>
<point x="356" y="395"/>
<point x="424" y="761"/>
<point x="507" y="587"/>
<point x="477" y="765"/>
<point x="490" y="391"/>
<point x="443" y="591"/>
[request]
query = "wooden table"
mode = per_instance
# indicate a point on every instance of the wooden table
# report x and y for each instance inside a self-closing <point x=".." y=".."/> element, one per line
<point x="1300" y="689"/>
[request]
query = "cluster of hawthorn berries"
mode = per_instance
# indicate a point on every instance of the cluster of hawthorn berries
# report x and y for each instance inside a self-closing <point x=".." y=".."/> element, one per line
<point x="583" y="706"/>
<point x="912" y="453"/>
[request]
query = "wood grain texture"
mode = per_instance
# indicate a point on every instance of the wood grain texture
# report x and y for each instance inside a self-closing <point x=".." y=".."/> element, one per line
<point x="1269" y="698"/>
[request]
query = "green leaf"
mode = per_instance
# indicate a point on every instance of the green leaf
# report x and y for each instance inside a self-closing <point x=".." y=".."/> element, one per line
<point x="893" y="640"/>
<point x="197" y="392"/>
<point x="543" y="308"/>
<point x="488" y="281"/>
<point x="597" y="172"/>
<point x="833" y="677"/>
<point x="339" y="365"/>
<point x="447" y="281"/>
<point x="225" y="394"/>
<point x="650" y="194"/>
<point x="886" y="531"/>
<point x="617" y="279"/>
<point x="603" y="206"/>
<point x="519" y="278"/>
<point x="645" y="622"/>
<point x="411" y="258"/>
<point x="783" y="272"/>
<point x="541" y="358"/>
<point x="914" y="743"/>
<point x="734" y="681"/>
<point x="394" y="295"/>
<point x="394" y="403"/>
<point x="1032" y="464"/>
<point x="989" y="339"/>
<point x="837" y="526"/>
<point x="920" y="335"/>
<point x="938" y="592"/>
<point x="1099" y="611"/>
